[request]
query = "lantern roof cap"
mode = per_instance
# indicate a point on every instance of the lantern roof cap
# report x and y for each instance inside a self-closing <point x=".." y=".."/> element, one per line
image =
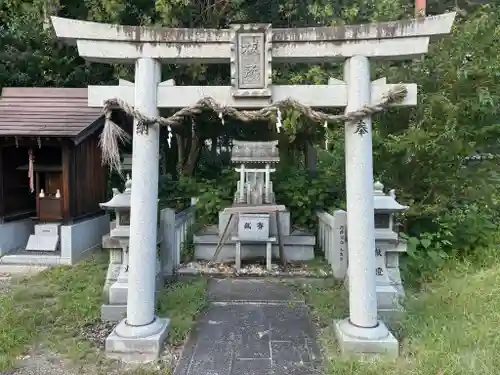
<point x="385" y="202"/>
<point x="120" y="201"/>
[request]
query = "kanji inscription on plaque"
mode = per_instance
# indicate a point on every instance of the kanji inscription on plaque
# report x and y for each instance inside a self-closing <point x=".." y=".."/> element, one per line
<point x="342" y="242"/>
<point x="251" y="60"/>
<point x="253" y="227"/>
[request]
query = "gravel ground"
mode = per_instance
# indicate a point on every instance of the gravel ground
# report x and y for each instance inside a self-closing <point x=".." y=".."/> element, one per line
<point x="5" y="284"/>
<point x="44" y="363"/>
<point x="294" y="269"/>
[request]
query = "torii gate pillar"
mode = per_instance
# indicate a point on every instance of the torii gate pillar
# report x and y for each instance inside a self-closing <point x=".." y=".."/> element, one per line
<point x="141" y="327"/>
<point x="362" y="331"/>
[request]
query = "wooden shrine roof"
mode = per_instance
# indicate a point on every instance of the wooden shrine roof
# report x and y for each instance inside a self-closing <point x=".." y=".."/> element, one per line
<point x="47" y="112"/>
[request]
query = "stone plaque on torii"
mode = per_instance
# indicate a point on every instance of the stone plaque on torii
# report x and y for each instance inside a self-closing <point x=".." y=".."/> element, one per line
<point x="251" y="50"/>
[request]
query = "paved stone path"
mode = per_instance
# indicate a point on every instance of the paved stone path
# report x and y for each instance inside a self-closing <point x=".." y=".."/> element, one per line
<point x="252" y="327"/>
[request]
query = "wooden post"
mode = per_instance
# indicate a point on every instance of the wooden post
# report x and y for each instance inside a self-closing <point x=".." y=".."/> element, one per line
<point x="67" y="174"/>
<point x="269" y="255"/>
<point x="237" y="260"/>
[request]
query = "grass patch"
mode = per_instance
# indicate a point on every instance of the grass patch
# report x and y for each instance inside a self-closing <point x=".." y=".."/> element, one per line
<point x="182" y="302"/>
<point x="317" y="266"/>
<point x="452" y="326"/>
<point x="52" y="309"/>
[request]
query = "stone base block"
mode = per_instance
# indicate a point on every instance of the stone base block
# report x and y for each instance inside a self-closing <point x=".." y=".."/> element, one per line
<point x="14" y="235"/>
<point x="359" y="342"/>
<point x="42" y="242"/>
<point x="118" y="293"/>
<point x="387" y="297"/>
<point x="47" y="229"/>
<point x="298" y="247"/>
<point x="113" y="313"/>
<point x="133" y="346"/>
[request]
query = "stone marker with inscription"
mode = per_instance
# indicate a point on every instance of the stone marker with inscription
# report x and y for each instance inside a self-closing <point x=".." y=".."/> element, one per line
<point x="253" y="227"/>
<point x="251" y="58"/>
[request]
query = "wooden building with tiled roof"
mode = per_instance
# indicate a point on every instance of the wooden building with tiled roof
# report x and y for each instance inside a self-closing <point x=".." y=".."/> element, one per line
<point x="50" y="161"/>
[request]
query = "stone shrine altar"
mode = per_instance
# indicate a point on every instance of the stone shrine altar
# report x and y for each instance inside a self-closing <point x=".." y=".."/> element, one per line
<point x="256" y="162"/>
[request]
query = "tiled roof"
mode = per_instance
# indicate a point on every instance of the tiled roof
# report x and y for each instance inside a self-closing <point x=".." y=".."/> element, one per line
<point x="47" y="112"/>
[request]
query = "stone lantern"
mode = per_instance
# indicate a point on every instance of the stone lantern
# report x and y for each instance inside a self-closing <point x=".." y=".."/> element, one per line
<point x="116" y="286"/>
<point x="388" y="247"/>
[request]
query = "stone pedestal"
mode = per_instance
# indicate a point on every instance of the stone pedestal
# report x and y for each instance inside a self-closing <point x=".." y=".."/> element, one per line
<point x="113" y="312"/>
<point x="114" y="308"/>
<point x="135" y="344"/>
<point x="357" y="341"/>
<point x="46" y="238"/>
<point x="298" y="246"/>
<point x="390" y="290"/>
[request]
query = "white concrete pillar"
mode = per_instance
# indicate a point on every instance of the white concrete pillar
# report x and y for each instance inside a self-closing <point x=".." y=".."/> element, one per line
<point x="359" y="189"/>
<point x="267" y="183"/>
<point x="144" y="199"/>
<point x="361" y="333"/>
<point x="242" y="183"/>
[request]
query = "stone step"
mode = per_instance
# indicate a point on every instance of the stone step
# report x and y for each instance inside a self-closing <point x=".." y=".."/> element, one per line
<point x="251" y="290"/>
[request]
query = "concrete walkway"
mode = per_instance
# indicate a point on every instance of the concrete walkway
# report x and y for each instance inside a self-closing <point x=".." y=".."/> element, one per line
<point x="252" y="327"/>
<point x="8" y="272"/>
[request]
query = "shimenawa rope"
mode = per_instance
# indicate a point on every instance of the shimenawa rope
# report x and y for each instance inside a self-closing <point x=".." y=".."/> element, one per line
<point x="113" y="134"/>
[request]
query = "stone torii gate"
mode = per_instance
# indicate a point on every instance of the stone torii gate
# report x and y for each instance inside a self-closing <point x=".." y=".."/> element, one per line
<point x="251" y="50"/>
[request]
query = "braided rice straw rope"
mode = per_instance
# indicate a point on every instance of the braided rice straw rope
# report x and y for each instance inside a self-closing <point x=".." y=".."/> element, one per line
<point x="113" y="134"/>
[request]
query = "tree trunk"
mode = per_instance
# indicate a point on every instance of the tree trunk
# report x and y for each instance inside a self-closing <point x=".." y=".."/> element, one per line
<point x="311" y="155"/>
<point x="192" y="159"/>
<point x="181" y="152"/>
<point x="213" y="150"/>
<point x="284" y="149"/>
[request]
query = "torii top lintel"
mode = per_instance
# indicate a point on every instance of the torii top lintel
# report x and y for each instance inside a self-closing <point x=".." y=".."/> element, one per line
<point x="116" y="43"/>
